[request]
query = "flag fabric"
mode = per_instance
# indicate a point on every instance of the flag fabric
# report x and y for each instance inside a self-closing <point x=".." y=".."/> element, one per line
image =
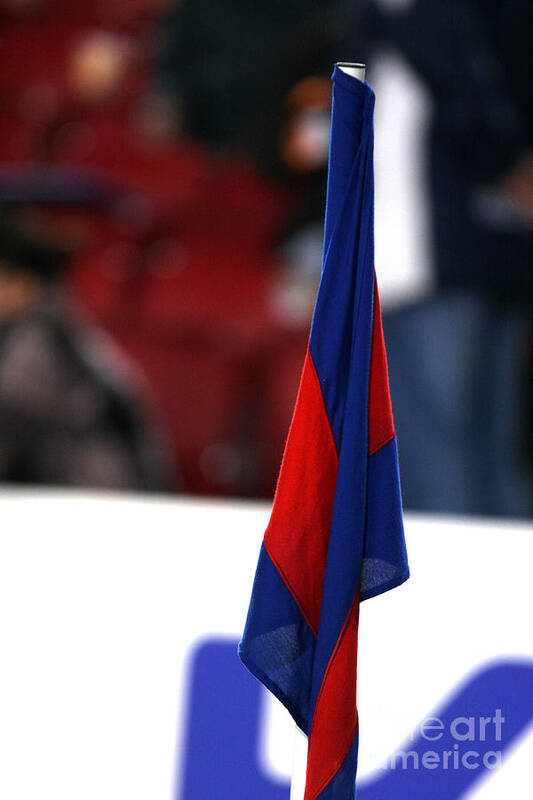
<point x="335" y="535"/>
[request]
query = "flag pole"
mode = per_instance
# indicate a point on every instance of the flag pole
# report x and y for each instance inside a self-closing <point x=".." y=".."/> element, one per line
<point x="356" y="70"/>
<point x="299" y="764"/>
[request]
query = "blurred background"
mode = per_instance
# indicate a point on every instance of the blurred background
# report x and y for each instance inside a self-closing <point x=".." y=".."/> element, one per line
<point x="162" y="188"/>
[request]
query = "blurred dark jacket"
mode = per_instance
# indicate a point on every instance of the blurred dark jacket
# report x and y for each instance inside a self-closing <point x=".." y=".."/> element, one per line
<point x="219" y="55"/>
<point x="474" y="56"/>
<point x="71" y="413"/>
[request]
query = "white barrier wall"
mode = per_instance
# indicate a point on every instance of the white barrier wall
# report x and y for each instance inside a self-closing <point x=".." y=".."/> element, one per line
<point x="104" y="599"/>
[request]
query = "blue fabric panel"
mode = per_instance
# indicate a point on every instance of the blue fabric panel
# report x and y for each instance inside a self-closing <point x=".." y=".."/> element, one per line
<point x="352" y="105"/>
<point x="385" y="556"/>
<point x="348" y="263"/>
<point x="278" y="644"/>
<point x="340" y="344"/>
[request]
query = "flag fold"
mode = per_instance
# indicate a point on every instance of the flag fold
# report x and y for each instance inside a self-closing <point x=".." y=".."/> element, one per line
<point x="335" y="535"/>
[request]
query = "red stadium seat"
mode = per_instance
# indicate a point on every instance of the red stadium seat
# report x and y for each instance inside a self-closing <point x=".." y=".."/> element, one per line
<point x="122" y="15"/>
<point x="20" y="142"/>
<point x="200" y="383"/>
<point x="181" y="269"/>
<point x="170" y="177"/>
<point x="53" y="71"/>
<point x="192" y="305"/>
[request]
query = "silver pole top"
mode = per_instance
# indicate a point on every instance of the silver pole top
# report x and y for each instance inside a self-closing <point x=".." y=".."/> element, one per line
<point x="356" y="70"/>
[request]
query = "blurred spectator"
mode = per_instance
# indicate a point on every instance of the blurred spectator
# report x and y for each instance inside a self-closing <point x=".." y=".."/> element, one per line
<point x="61" y="63"/>
<point x="288" y="135"/>
<point x="459" y="367"/>
<point x="188" y="156"/>
<point x="71" y="411"/>
<point x="217" y="59"/>
<point x="465" y="440"/>
<point x="474" y="56"/>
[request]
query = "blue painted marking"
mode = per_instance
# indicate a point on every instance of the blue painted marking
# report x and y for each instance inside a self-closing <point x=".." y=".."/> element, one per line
<point x="220" y="759"/>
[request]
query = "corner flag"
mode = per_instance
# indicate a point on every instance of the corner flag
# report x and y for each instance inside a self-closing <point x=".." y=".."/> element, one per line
<point x="335" y="536"/>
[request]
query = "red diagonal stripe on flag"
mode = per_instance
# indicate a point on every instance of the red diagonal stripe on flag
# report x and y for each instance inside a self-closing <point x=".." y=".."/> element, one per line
<point x="298" y="533"/>
<point x="335" y="719"/>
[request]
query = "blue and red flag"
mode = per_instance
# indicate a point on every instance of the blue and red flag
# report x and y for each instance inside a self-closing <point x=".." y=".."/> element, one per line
<point x="335" y="536"/>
